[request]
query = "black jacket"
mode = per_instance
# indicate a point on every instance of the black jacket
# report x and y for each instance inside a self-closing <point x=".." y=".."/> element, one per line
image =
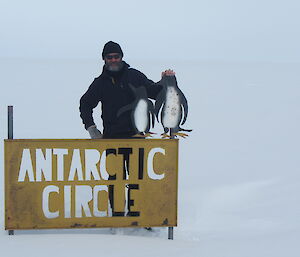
<point x="112" y="90"/>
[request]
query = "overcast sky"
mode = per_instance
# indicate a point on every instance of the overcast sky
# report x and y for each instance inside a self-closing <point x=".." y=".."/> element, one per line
<point x="246" y="30"/>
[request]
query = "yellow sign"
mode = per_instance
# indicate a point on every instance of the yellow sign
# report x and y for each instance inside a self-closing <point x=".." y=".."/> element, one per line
<point x="82" y="183"/>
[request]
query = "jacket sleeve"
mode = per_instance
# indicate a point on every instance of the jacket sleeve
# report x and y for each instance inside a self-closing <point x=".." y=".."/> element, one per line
<point x="88" y="102"/>
<point x="152" y="88"/>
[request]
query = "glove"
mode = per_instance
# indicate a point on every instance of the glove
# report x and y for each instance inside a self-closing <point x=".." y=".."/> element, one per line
<point x="94" y="132"/>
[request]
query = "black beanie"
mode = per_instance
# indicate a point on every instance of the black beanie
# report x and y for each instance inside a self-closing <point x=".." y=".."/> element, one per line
<point x="111" y="47"/>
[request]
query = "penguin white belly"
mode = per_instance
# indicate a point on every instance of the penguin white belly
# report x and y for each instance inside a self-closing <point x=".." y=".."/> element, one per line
<point x="140" y="115"/>
<point x="171" y="115"/>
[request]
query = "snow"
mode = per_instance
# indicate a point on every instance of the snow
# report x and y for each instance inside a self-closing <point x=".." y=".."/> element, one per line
<point x="239" y="180"/>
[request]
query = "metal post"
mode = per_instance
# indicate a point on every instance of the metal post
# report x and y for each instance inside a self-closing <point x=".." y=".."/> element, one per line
<point x="10" y="113"/>
<point x="170" y="233"/>
<point x="171" y="229"/>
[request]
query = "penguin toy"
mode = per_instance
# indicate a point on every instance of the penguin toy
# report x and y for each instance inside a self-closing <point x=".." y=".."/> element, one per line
<point x="142" y="112"/>
<point x="174" y="107"/>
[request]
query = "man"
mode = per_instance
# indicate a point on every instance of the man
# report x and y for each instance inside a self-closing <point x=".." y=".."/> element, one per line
<point x="112" y="89"/>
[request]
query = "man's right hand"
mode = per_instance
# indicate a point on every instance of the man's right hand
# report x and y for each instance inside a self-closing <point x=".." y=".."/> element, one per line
<point x="94" y="132"/>
<point x="168" y="73"/>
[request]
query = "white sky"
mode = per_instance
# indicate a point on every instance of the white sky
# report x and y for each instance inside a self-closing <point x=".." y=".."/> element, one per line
<point x="238" y="30"/>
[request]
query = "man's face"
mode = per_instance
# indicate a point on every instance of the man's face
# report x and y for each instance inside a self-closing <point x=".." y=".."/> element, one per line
<point x="113" y="61"/>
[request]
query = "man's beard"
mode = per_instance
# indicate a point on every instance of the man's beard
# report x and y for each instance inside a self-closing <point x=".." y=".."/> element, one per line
<point x="115" y="67"/>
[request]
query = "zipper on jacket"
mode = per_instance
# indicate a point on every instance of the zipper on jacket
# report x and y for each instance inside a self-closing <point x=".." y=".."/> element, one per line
<point x="114" y="82"/>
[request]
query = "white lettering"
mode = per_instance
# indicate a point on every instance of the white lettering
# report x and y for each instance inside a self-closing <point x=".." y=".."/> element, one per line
<point x="67" y="195"/>
<point x="43" y="165"/>
<point x="26" y="167"/>
<point x="76" y="166"/>
<point x="83" y="194"/>
<point x="126" y="210"/>
<point x="46" y="192"/>
<point x="103" y="172"/>
<point x="96" y="191"/>
<point x="60" y="162"/>
<point x="92" y="157"/>
<point x="151" y="173"/>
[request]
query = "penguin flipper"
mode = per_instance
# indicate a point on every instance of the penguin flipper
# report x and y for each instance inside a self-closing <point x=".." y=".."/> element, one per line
<point x="151" y="113"/>
<point x="150" y="106"/>
<point x="158" y="103"/>
<point x="184" y="104"/>
<point x="161" y="117"/>
<point x="123" y="109"/>
<point x="132" y="88"/>
<point x="152" y="119"/>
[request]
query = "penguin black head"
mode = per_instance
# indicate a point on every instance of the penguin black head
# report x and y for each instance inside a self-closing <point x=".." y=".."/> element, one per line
<point x="169" y="81"/>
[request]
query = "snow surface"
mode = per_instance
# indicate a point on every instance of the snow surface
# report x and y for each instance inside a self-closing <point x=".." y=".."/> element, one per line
<point x="239" y="179"/>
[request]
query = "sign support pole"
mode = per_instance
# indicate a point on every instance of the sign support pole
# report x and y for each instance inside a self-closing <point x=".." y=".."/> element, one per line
<point x="170" y="233"/>
<point x="171" y="229"/>
<point x="10" y="109"/>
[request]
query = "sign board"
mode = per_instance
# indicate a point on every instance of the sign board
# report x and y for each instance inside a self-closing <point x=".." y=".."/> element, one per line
<point x="83" y="183"/>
